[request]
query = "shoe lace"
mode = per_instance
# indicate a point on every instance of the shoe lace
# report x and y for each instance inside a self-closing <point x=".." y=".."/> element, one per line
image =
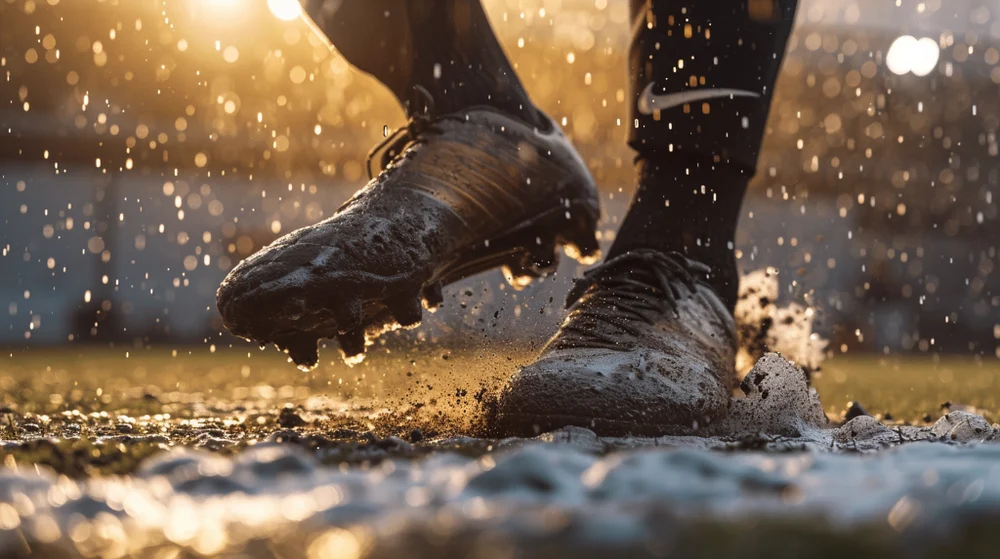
<point x="634" y="288"/>
<point x="416" y="129"/>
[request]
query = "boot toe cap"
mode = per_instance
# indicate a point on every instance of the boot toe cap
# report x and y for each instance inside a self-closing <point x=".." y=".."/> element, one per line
<point x="612" y="393"/>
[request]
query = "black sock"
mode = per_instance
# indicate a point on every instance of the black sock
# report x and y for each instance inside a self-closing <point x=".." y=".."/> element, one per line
<point x="692" y="210"/>
<point x="702" y="76"/>
<point x="444" y="50"/>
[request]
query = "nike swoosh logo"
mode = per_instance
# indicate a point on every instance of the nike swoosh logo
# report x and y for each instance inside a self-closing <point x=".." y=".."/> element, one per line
<point x="649" y="102"/>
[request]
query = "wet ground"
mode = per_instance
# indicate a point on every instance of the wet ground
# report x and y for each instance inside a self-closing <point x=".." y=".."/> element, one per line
<point x="115" y="452"/>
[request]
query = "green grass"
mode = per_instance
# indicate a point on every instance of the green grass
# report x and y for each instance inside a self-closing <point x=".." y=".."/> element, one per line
<point x="910" y="388"/>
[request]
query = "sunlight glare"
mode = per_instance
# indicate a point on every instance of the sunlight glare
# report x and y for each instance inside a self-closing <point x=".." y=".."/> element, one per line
<point x="286" y="10"/>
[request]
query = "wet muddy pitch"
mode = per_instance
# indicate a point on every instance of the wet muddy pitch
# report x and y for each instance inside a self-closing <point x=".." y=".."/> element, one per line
<point x="164" y="453"/>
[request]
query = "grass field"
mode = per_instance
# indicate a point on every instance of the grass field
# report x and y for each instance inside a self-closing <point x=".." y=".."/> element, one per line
<point x="86" y="411"/>
<point x="910" y="388"/>
<point x="196" y="380"/>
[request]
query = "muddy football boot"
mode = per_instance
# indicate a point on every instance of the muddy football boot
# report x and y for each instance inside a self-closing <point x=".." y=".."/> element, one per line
<point x="648" y="348"/>
<point x="457" y="195"/>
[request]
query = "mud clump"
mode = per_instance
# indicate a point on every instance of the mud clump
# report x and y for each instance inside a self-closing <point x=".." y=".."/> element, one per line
<point x="778" y="401"/>
<point x="289" y="418"/>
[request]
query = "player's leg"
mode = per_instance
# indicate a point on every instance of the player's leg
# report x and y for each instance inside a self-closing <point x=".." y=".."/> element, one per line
<point x="479" y="178"/>
<point x="649" y="344"/>
<point x="445" y="48"/>
<point x="702" y="78"/>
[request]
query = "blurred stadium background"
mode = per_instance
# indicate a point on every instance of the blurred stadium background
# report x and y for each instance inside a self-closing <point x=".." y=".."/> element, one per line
<point x="147" y="146"/>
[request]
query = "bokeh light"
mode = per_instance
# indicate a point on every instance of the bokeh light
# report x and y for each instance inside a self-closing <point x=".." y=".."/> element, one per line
<point x="908" y="54"/>
<point x="925" y="57"/>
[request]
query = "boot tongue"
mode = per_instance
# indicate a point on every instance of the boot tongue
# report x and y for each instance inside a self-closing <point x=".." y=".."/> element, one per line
<point x="623" y="297"/>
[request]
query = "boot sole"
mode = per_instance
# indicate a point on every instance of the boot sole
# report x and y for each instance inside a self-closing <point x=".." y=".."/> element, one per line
<point x="576" y="234"/>
<point x="398" y="302"/>
<point x="543" y="233"/>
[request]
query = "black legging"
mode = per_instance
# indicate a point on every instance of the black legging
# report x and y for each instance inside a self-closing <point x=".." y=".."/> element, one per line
<point x="446" y="47"/>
